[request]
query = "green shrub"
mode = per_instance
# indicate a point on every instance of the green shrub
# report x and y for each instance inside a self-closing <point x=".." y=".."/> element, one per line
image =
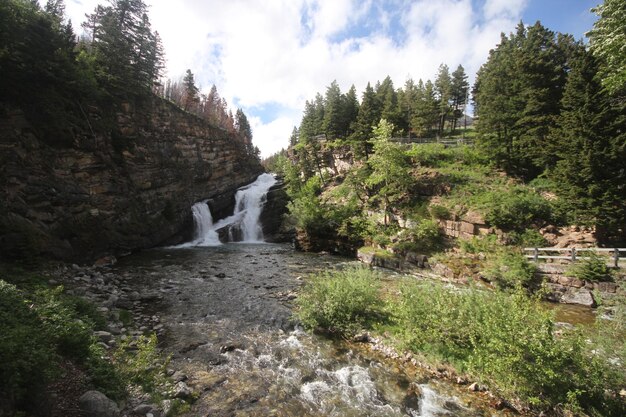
<point x="439" y="212"/>
<point x="509" y="269"/>
<point x="425" y="236"/>
<point x="27" y="360"/>
<point x="507" y="341"/>
<point x="479" y="244"/>
<point x="593" y="268"/>
<point x="104" y="376"/>
<point x="65" y="329"/>
<point x="528" y="238"/>
<point x="142" y="364"/>
<point x="341" y="302"/>
<point x="516" y="209"/>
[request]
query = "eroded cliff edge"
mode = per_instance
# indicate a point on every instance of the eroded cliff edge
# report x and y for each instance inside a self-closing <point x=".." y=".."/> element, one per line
<point x="120" y="186"/>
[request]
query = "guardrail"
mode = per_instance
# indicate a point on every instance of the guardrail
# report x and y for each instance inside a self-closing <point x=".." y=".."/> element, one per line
<point x="575" y="254"/>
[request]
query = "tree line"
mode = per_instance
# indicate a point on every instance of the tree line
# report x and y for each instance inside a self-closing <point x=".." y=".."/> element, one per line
<point x="548" y="109"/>
<point x="53" y="75"/>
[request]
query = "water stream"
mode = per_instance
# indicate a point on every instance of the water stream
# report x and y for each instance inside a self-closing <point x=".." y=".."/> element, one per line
<point x="227" y="311"/>
<point x="227" y="314"/>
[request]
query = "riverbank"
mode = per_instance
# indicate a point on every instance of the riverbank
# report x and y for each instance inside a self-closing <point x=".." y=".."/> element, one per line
<point x="224" y="317"/>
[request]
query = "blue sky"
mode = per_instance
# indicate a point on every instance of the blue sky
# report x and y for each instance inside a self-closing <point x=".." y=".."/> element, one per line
<point x="269" y="57"/>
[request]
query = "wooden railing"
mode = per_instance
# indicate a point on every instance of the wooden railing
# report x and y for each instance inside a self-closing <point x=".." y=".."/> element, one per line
<point x="575" y="254"/>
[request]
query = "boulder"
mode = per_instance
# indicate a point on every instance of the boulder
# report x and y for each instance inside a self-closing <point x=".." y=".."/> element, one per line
<point x="96" y="404"/>
<point x="578" y="296"/>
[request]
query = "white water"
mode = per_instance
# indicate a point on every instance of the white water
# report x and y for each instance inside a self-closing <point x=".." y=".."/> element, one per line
<point x="249" y="202"/>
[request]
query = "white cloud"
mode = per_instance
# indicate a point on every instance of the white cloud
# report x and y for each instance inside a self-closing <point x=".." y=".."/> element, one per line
<point x="285" y="51"/>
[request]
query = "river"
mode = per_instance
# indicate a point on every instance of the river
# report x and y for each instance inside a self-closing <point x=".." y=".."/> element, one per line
<point x="226" y="312"/>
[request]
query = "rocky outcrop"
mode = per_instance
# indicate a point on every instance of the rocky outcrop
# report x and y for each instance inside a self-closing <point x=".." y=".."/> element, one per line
<point x="570" y="290"/>
<point x="272" y="216"/>
<point x="120" y="187"/>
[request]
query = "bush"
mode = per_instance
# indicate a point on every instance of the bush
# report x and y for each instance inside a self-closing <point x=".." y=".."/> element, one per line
<point x="516" y="209"/>
<point x="482" y="244"/>
<point x="425" y="236"/>
<point x="27" y="360"/>
<point x="440" y="212"/>
<point x="341" y="302"/>
<point x="142" y="364"/>
<point x="593" y="268"/>
<point x="507" y="341"/>
<point x="527" y="238"/>
<point x="509" y="269"/>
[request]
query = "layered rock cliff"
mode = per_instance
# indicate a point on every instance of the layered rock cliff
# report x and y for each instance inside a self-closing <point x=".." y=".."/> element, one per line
<point x="115" y="190"/>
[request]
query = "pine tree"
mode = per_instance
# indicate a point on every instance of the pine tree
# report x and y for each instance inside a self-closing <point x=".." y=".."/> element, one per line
<point x="607" y="40"/>
<point x="332" y="124"/>
<point x="443" y="88"/>
<point x="190" y="95"/>
<point x="367" y="117"/>
<point x="459" y="90"/>
<point x="592" y="149"/>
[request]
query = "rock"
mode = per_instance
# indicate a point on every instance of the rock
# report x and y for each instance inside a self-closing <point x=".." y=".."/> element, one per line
<point x="220" y="275"/>
<point x="181" y="390"/>
<point x="474" y="387"/>
<point x="143" y="409"/>
<point x="166" y="406"/>
<point x="179" y="376"/>
<point x="578" y="296"/>
<point x="103" y="336"/>
<point x="361" y="338"/>
<point x="96" y="404"/>
<point x="229" y="347"/>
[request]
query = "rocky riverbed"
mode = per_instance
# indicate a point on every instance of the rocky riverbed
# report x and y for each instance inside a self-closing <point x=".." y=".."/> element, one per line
<point x="224" y="314"/>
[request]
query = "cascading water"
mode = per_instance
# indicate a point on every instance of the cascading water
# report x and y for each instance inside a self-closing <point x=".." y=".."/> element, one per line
<point x="244" y="225"/>
<point x="249" y="203"/>
<point x="205" y="235"/>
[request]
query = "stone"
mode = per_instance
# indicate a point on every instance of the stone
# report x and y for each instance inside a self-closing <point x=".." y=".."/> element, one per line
<point x="143" y="409"/>
<point x="96" y="404"/>
<point x="474" y="387"/>
<point x="361" y="338"/>
<point x="182" y="390"/>
<point x="103" y="336"/>
<point x="578" y="296"/>
<point x="179" y="376"/>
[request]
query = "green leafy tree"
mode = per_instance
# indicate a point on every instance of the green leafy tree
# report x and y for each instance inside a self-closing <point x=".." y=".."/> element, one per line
<point x="389" y="165"/>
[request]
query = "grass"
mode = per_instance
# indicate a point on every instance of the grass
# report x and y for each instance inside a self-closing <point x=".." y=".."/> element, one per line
<point x="505" y="340"/>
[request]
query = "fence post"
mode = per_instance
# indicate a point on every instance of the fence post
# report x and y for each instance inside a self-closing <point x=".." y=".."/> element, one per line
<point x="573" y="254"/>
<point x="616" y="257"/>
<point x="536" y="255"/>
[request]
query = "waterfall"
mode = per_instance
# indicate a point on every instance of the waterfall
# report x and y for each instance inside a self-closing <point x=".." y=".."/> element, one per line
<point x="249" y="202"/>
<point x="243" y="225"/>
<point x="205" y="234"/>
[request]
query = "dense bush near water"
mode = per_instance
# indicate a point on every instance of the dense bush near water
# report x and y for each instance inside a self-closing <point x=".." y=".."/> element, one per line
<point x="508" y="341"/>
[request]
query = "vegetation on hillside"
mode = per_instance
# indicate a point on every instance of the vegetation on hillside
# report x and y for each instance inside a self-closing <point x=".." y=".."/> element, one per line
<point x="43" y="328"/>
<point x="548" y="149"/>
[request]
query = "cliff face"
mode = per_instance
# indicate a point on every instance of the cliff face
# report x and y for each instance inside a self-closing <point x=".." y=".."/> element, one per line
<point x="115" y="190"/>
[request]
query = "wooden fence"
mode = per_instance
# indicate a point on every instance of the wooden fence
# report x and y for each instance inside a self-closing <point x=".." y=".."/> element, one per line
<point x="575" y="254"/>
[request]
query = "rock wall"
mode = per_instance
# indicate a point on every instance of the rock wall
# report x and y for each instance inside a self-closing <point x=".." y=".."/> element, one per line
<point x="570" y="290"/>
<point x="116" y="189"/>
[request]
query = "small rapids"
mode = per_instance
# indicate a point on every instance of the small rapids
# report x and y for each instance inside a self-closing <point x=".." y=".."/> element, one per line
<point x="227" y="314"/>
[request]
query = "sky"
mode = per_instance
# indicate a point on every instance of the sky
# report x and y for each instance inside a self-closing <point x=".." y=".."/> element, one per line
<point x="269" y="56"/>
